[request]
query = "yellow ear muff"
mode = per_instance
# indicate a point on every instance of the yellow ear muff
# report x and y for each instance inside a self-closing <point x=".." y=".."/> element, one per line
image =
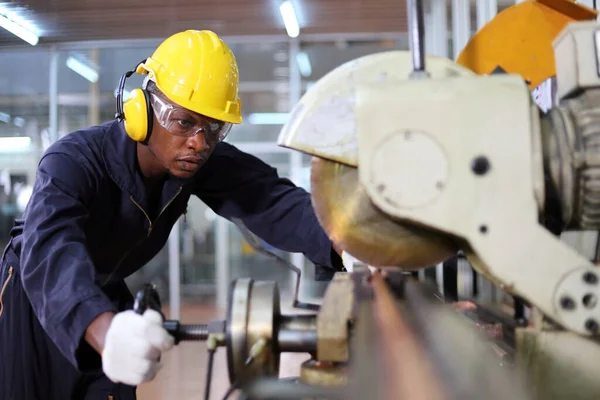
<point x="138" y="115"/>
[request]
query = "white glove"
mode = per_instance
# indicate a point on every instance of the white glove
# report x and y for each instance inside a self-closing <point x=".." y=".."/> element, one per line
<point x="133" y="346"/>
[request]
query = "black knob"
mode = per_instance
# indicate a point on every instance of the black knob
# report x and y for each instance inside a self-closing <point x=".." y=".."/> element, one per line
<point x="480" y="165"/>
<point x="591" y="325"/>
<point x="567" y="303"/>
<point x="590" y="278"/>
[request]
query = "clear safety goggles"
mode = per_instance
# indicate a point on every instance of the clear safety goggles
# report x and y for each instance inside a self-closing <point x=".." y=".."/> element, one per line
<point x="182" y="122"/>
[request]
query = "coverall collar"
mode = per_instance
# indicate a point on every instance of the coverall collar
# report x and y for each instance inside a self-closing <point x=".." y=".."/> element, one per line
<point x="119" y="152"/>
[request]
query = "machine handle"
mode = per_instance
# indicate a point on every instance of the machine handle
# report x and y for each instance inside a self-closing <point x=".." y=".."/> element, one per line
<point x="255" y="243"/>
<point x="148" y="298"/>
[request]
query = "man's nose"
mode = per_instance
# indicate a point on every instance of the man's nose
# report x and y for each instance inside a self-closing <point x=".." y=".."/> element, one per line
<point x="198" y="143"/>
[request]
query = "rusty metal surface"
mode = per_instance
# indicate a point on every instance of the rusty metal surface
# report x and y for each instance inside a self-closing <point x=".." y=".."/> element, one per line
<point x="409" y="374"/>
<point x="333" y="318"/>
<point x="467" y="363"/>
<point x="351" y="221"/>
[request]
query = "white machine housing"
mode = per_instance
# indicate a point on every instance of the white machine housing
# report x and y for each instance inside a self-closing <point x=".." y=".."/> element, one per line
<point x="461" y="154"/>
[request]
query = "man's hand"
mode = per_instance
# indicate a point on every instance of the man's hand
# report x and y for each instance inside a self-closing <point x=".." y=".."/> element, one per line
<point x="134" y="344"/>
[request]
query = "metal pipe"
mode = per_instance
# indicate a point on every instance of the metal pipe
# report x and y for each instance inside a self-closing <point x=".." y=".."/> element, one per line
<point x="405" y="360"/>
<point x="297" y="334"/>
<point x="268" y="388"/>
<point x="175" y="271"/>
<point x="416" y="32"/>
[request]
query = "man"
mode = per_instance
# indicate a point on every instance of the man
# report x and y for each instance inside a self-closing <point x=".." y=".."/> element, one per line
<point x="104" y="201"/>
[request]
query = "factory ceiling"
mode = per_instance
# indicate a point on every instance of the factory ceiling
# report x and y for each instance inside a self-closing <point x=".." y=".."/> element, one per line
<point x="83" y="20"/>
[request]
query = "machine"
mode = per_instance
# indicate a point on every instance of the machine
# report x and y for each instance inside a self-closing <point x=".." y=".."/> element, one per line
<point x="414" y="158"/>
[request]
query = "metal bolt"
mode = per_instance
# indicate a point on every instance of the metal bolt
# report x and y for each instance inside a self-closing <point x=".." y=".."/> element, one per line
<point x="480" y="165"/>
<point x="589" y="300"/>
<point x="591" y="325"/>
<point x="590" y="278"/>
<point x="567" y="303"/>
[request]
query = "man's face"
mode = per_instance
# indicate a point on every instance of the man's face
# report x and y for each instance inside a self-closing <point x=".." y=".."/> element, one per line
<point x="182" y="140"/>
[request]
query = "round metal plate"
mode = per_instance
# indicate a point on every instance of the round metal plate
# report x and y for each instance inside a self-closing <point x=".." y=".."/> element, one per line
<point x="254" y="308"/>
<point x="407" y="152"/>
<point x="352" y="222"/>
<point x="576" y="300"/>
<point x="237" y="316"/>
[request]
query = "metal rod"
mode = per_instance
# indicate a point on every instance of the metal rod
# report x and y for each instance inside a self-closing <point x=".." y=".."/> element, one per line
<point x="407" y="359"/>
<point x="298" y="334"/>
<point x="175" y="270"/>
<point x="416" y="33"/>
<point x="256" y="244"/>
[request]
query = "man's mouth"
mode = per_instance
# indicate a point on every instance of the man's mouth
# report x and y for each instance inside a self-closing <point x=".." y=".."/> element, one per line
<point x="191" y="163"/>
<point x="193" y="160"/>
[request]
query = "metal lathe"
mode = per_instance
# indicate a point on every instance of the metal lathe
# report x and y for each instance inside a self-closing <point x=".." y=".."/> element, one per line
<point x="416" y="158"/>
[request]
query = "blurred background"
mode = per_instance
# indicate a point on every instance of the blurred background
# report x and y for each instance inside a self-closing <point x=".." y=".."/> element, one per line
<point x="63" y="77"/>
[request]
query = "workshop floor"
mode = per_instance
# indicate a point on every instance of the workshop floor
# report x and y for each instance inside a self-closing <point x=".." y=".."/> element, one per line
<point x="184" y="370"/>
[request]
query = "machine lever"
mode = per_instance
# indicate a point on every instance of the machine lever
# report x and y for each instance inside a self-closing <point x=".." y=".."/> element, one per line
<point x="253" y="241"/>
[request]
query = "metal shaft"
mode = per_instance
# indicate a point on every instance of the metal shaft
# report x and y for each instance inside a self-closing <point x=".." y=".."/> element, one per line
<point x="297" y="334"/>
<point x="416" y="30"/>
<point x="193" y="332"/>
<point x="187" y="333"/>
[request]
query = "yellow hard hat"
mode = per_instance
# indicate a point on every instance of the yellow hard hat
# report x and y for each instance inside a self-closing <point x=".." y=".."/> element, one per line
<point x="197" y="70"/>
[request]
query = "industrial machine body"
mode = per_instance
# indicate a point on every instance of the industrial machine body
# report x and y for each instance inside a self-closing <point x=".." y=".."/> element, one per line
<point x="414" y="158"/>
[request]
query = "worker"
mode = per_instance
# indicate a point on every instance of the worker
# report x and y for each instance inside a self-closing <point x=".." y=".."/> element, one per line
<point x="104" y="201"/>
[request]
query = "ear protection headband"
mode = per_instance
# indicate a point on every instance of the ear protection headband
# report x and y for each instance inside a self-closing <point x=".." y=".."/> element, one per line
<point x="136" y="112"/>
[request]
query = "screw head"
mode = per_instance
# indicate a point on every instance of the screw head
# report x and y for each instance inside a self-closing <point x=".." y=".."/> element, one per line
<point x="590" y="278"/>
<point x="480" y="165"/>
<point x="567" y="303"/>
<point x="591" y="325"/>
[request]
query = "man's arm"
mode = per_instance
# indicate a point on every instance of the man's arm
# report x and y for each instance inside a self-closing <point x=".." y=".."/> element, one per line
<point x="238" y="185"/>
<point x="56" y="269"/>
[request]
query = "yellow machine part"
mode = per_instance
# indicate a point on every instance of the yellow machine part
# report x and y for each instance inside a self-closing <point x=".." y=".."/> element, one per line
<point x="519" y="39"/>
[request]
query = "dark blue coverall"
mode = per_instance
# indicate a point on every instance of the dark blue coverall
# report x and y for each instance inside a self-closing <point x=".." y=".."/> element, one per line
<point x="90" y="223"/>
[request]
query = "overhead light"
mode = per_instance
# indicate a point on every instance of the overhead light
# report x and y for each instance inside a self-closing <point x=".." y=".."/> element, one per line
<point x="304" y="64"/>
<point x="268" y="118"/>
<point x="19" y="30"/>
<point x="8" y="144"/>
<point x="289" y="19"/>
<point x="19" y="122"/>
<point x="4" y="117"/>
<point x="83" y="69"/>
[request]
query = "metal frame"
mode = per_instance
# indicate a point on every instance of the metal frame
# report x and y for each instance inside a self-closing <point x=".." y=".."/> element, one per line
<point x="461" y="26"/>
<point x="436" y="30"/>
<point x="486" y="10"/>
<point x="232" y="40"/>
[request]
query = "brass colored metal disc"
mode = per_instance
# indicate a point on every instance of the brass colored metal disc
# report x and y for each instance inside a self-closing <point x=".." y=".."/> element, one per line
<point x="358" y="227"/>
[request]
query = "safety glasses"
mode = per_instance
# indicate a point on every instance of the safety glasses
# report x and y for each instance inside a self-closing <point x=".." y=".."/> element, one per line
<point x="181" y="122"/>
